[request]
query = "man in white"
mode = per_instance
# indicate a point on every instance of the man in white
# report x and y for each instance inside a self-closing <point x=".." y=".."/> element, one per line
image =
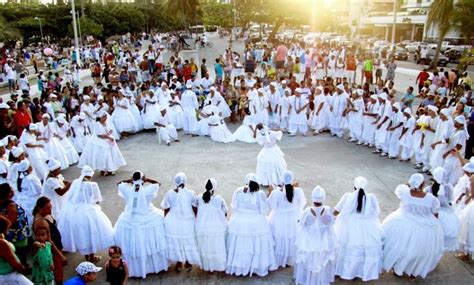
<point x="164" y="96"/>
<point x="206" y="83"/>
<point x="297" y="120"/>
<point x="338" y="105"/>
<point x="274" y="102"/>
<point x="166" y="130"/>
<point x="382" y="123"/>
<point x="190" y="104"/>
<point x="259" y="108"/>
<point x="355" y="117"/>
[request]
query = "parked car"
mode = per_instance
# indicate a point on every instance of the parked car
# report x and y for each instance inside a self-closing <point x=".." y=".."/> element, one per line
<point x="413" y="46"/>
<point x="399" y="53"/>
<point x="442" y="60"/>
<point x="453" y="55"/>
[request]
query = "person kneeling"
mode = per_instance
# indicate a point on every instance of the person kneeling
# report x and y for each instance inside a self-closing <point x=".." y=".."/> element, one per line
<point x="165" y="129"/>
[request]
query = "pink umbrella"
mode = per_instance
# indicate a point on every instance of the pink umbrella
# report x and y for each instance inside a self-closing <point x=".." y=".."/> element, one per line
<point x="48" y="51"/>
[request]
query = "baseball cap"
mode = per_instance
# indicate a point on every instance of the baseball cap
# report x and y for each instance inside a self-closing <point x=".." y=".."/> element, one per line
<point x="87" y="267"/>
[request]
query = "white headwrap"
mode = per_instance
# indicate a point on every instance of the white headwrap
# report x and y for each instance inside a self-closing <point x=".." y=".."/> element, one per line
<point x="87" y="171"/>
<point x="318" y="195"/>
<point x="180" y="178"/>
<point x="462" y="120"/>
<point x="383" y="96"/>
<point x="340" y="87"/>
<point x="438" y="174"/>
<point x="446" y="112"/>
<point x="101" y="114"/>
<point x="86" y="97"/>
<point x="23" y="165"/>
<point x="17" y="151"/>
<point x="46" y="116"/>
<point x="250" y="177"/>
<point x="61" y="120"/>
<point x="433" y="108"/>
<point x="397" y="106"/>
<point x="100" y="97"/>
<point x="407" y="111"/>
<point x="416" y="180"/>
<point x="82" y="116"/>
<point x="33" y="127"/>
<point x="469" y="167"/>
<point x="360" y="183"/>
<point x="288" y="177"/>
<point x="53" y="164"/>
<point x="360" y="92"/>
<point x="374" y="96"/>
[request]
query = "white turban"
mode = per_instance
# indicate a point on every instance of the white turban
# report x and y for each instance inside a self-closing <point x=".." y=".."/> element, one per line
<point x="45" y="116"/>
<point x="61" y="120"/>
<point x="52" y="95"/>
<point x="23" y="165"/>
<point x="82" y="116"/>
<point x="190" y="86"/>
<point x="318" y="195"/>
<point x="462" y="120"/>
<point x="250" y="177"/>
<point x="180" y="178"/>
<point x="33" y="127"/>
<point x="469" y="167"/>
<point x="360" y="183"/>
<point x="87" y="171"/>
<point x="100" y="97"/>
<point x="407" y="111"/>
<point x="213" y="88"/>
<point x="416" y="180"/>
<point x="283" y="82"/>
<point x="374" y="96"/>
<point x="397" y="106"/>
<point x="101" y="114"/>
<point x="360" y="92"/>
<point x="446" y="112"/>
<point x="53" y="164"/>
<point x="273" y="84"/>
<point x="438" y="174"/>
<point x="86" y="97"/>
<point x="288" y="177"/>
<point x="163" y="84"/>
<point x="17" y="151"/>
<point x="340" y="87"/>
<point x="261" y="90"/>
<point x="433" y="108"/>
<point x="383" y="96"/>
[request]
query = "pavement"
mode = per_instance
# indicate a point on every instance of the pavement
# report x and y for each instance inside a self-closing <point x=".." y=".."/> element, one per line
<point x="316" y="160"/>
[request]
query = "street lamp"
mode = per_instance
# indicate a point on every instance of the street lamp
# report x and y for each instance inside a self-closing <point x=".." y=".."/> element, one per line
<point x="41" y="27"/>
<point x="74" y="26"/>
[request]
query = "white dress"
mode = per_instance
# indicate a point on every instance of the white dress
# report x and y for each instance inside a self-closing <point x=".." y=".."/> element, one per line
<point x="219" y="133"/>
<point x="81" y="133"/>
<point x="413" y="237"/>
<point x="140" y="231"/>
<point x="250" y="246"/>
<point x="244" y="133"/>
<point x="36" y="155"/>
<point x="84" y="227"/>
<point x="283" y="221"/>
<point x="368" y="132"/>
<point x="259" y="109"/>
<point x="360" y="238"/>
<point x="176" y="113"/>
<point x="316" y="245"/>
<point x="50" y="185"/>
<point x="319" y="121"/>
<point x="219" y="101"/>
<point x="466" y="233"/>
<point x="179" y="226"/>
<point x="102" y="154"/>
<point x="71" y="152"/>
<point x="123" y="118"/>
<point x="30" y="191"/>
<point x="53" y="146"/>
<point x="452" y="165"/>
<point x="442" y="135"/>
<point x="271" y="163"/>
<point x="150" y="112"/>
<point x="211" y="229"/>
<point x="448" y="219"/>
<point x="136" y="114"/>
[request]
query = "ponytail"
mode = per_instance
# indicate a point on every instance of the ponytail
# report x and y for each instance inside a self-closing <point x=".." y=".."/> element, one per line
<point x="19" y="180"/>
<point x="435" y="188"/>
<point x="289" y="192"/>
<point x="360" y="200"/>
<point x="206" y="196"/>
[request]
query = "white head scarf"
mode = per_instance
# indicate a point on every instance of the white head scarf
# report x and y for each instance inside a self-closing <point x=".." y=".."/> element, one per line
<point x="33" y="127"/>
<point x="416" y="180"/>
<point x="318" y="195"/>
<point x="17" y="151"/>
<point x="288" y="177"/>
<point x="53" y="164"/>
<point x="462" y="120"/>
<point x="250" y="177"/>
<point x="438" y="175"/>
<point x="179" y="178"/>
<point x="407" y="111"/>
<point x="469" y="167"/>
<point x="360" y="183"/>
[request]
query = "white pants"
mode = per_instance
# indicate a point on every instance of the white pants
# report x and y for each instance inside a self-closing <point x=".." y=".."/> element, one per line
<point x="302" y="128"/>
<point x="190" y="122"/>
<point x="14" y="278"/>
<point x="169" y="133"/>
<point x="284" y="122"/>
<point x="407" y="153"/>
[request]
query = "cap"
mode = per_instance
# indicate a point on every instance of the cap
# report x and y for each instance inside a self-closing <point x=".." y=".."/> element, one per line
<point x="86" y="267"/>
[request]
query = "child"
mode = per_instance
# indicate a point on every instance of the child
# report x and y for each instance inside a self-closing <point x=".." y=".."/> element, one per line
<point x="316" y="243"/>
<point x="42" y="258"/>
<point x="116" y="268"/>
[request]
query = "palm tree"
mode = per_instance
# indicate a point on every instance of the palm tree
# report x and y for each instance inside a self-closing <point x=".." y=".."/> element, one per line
<point x="8" y="32"/>
<point x="188" y="10"/>
<point x="441" y="14"/>
<point x="463" y="17"/>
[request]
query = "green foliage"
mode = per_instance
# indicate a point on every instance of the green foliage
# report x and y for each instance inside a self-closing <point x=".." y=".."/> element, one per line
<point x="463" y="17"/>
<point x="90" y="27"/>
<point x="215" y="14"/>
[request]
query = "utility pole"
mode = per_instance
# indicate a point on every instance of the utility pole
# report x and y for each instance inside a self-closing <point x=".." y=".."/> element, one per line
<point x="74" y="27"/>
<point x="394" y="21"/>
<point x="41" y="28"/>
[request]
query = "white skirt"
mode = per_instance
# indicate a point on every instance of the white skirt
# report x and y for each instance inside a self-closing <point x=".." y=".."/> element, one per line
<point x="221" y="134"/>
<point x="466" y="234"/>
<point x="71" y="152"/>
<point x="101" y="155"/>
<point x="142" y="239"/>
<point x="181" y="239"/>
<point x="55" y="150"/>
<point x="150" y="116"/>
<point x="124" y="121"/>
<point x="85" y="229"/>
<point x="80" y="141"/>
<point x="176" y="116"/>
<point x="283" y="225"/>
<point x="136" y="115"/>
<point x="450" y="223"/>
<point x="411" y="245"/>
<point x="271" y="165"/>
<point x="38" y="157"/>
<point x="249" y="245"/>
<point x="244" y="134"/>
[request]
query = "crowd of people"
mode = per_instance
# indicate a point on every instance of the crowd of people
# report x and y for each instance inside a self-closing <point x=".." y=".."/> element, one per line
<point x="269" y="91"/>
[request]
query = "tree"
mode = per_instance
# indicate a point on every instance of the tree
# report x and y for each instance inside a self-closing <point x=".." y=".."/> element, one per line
<point x="90" y="27"/>
<point x="187" y="10"/>
<point x="441" y="15"/>
<point x="217" y="14"/>
<point x="7" y="31"/>
<point x="463" y="17"/>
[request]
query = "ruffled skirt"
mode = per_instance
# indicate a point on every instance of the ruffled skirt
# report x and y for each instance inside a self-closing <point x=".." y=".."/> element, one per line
<point x="100" y="154"/>
<point x="271" y="165"/>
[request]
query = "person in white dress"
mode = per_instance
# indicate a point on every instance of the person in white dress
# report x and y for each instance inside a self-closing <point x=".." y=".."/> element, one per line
<point x="359" y="234"/>
<point x="431" y="125"/>
<point x="271" y="162"/>
<point x="140" y="228"/>
<point x="35" y="150"/>
<point x="413" y="236"/>
<point x="150" y="111"/>
<point x="132" y="106"/>
<point x="204" y="115"/>
<point x="284" y="110"/>
<point x="217" y="100"/>
<point x="466" y="218"/>
<point x="218" y="129"/>
<point x="52" y="145"/>
<point x="190" y="105"/>
<point x="122" y="117"/>
<point x="180" y="206"/>
<point x="55" y="187"/>
<point x="83" y="225"/>
<point x="287" y="204"/>
<point x="370" y="116"/>
<point x="316" y="243"/>
<point x="406" y="137"/>
<point x="29" y="188"/>
<point x="88" y="109"/>
<point x="319" y="118"/>
<point x="462" y="189"/>
<point x="259" y="107"/>
<point x="247" y="132"/>
<point x="454" y="153"/>
<point x="101" y="151"/>
<point x="165" y="128"/>
<point x="176" y="111"/>
<point x="80" y="131"/>
<point x="211" y="228"/>
<point x="62" y="132"/>
<point x="448" y="219"/>
<point x="297" y="120"/>
<point x="394" y="131"/>
<point x="354" y="116"/>
<point x="440" y="140"/>
<point x="273" y="96"/>
<point x="250" y="245"/>
<point x="338" y="106"/>
<point x="418" y="136"/>
<point x="382" y="124"/>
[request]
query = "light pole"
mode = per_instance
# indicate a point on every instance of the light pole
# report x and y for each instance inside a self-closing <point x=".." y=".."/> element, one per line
<point x="74" y="27"/>
<point x="394" y="21"/>
<point x="41" y="27"/>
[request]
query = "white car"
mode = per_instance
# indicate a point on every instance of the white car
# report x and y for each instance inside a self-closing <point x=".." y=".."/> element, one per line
<point x="413" y="46"/>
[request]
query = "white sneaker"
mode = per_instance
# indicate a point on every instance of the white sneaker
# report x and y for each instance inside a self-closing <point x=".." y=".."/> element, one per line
<point x="383" y="154"/>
